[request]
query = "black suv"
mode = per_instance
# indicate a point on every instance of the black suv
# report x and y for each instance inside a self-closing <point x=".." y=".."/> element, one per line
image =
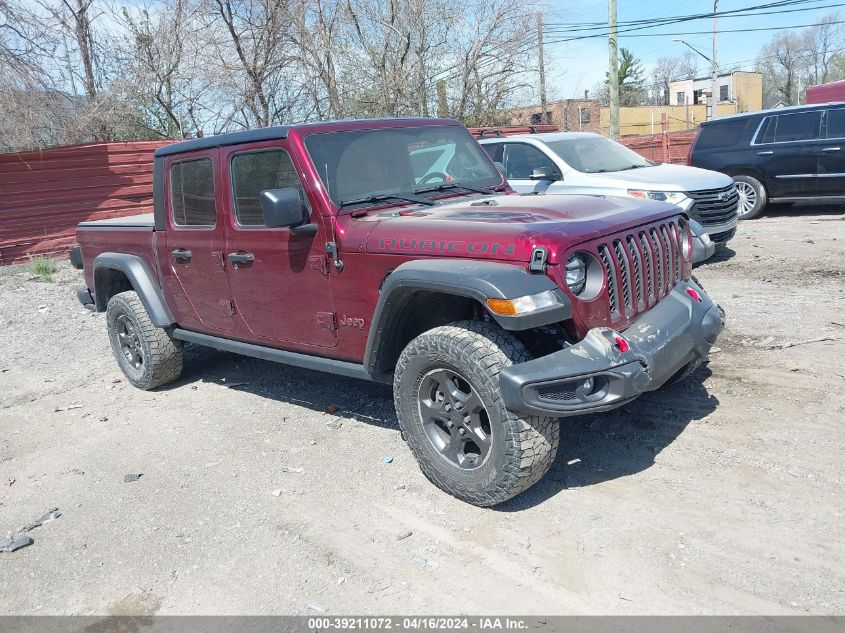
<point x="786" y="155"/>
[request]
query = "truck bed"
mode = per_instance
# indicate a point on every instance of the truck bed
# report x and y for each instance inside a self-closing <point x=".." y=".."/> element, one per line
<point x="132" y="235"/>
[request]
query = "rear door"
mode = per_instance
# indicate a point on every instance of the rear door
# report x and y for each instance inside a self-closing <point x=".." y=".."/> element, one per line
<point x="193" y="272"/>
<point x="785" y="151"/>
<point x="520" y="161"/>
<point x="831" y="154"/>
<point x="283" y="295"/>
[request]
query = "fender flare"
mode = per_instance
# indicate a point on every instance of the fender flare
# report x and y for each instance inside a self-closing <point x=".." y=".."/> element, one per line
<point x="143" y="281"/>
<point x="478" y="280"/>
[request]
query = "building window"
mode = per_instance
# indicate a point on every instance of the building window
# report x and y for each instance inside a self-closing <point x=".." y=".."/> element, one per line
<point x="681" y="98"/>
<point x="537" y="118"/>
<point x="723" y="93"/>
<point x="586" y="117"/>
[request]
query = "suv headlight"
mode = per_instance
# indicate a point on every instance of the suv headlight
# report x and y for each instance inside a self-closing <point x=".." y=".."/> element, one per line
<point x="663" y="196"/>
<point x="576" y="274"/>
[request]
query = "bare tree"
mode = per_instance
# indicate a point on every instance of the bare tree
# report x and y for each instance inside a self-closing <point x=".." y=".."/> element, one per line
<point x="494" y="46"/>
<point x="782" y="62"/>
<point x="822" y="42"/>
<point x="256" y="32"/>
<point x="667" y="70"/>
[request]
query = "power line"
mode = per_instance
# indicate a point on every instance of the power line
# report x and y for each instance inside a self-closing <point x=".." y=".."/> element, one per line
<point x="651" y="22"/>
<point x="771" y="28"/>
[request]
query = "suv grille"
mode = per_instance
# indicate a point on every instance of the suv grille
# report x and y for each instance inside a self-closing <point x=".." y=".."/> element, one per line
<point x="714" y="206"/>
<point x="641" y="267"/>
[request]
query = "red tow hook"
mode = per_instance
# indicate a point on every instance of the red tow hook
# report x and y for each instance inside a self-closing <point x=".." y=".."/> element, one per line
<point x="692" y="293"/>
<point x="621" y="343"/>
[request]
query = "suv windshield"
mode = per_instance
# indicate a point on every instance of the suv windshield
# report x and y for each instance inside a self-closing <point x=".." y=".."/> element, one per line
<point x="596" y="154"/>
<point x="360" y="166"/>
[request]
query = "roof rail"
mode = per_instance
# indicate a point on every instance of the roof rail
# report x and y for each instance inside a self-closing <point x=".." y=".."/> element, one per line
<point x="510" y="130"/>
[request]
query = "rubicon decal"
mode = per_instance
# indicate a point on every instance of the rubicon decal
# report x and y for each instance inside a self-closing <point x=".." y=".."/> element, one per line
<point x="447" y="246"/>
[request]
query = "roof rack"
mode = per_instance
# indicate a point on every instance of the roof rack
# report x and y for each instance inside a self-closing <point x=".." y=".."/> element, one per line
<point x="510" y="130"/>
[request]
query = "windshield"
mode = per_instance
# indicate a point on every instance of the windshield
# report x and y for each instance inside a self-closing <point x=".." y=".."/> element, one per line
<point x="595" y="154"/>
<point x="365" y="164"/>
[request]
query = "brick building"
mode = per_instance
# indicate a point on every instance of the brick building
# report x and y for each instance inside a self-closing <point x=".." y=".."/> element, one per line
<point x="569" y="115"/>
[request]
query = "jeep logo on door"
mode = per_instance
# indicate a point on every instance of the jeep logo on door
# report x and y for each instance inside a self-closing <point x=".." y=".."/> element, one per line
<point x="348" y="321"/>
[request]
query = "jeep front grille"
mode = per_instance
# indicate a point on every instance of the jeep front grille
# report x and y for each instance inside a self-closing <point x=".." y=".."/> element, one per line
<point x="641" y="267"/>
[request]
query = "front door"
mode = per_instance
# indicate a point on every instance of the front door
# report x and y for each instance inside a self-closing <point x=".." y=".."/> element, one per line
<point x="831" y="154"/>
<point x="280" y="281"/>
<point x="520" y="160"/>
<point x="785" y="150"/>
<point x="192" y="260"/>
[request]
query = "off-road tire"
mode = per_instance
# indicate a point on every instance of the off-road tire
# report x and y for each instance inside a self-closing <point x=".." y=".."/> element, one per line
<point x="522" y="449"/>
<point x="161" y="354"/>
<point x="759" y="191"/>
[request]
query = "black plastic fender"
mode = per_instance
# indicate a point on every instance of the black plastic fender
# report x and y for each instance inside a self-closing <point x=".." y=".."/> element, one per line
<point x="477" y="280"/>
<point x="143" y="281"/>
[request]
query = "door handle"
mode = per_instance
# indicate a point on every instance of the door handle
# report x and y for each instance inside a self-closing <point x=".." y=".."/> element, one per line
<point x="181" y="253"/>
<point x="769" y="153"/>
<point x="830" y="149"/>
<point x="241" y="258"/>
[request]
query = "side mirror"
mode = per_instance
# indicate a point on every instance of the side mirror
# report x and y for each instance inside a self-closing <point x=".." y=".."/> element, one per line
<point x="500" y="167"/>
<point x="282" y="207"/>
<point x="544" y="173"/>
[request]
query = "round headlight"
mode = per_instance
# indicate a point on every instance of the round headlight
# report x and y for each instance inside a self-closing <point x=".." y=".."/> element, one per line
<point x="576" y="274"/>
<point x="686" y="241"/>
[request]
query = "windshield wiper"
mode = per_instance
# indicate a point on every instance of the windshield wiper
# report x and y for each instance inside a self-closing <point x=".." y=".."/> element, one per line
<point x="633" y="167"/>
<point x="454" y="185"/>
<point x="388" y="196"/>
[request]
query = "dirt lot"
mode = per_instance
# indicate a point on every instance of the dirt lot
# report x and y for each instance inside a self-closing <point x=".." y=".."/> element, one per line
<point x="723" y="494"/>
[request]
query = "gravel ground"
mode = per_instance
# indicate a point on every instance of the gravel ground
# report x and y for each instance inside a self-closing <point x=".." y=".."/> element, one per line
<point x="720" y="495"/>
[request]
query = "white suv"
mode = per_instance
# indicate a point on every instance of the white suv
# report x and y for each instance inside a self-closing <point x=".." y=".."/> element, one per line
<point x="584" y="163"/>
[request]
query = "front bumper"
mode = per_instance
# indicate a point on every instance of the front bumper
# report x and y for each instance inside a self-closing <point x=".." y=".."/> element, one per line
<point x="674" y="335"/>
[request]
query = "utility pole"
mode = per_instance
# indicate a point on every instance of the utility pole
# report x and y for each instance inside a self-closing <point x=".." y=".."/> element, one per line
<point x="613" y="72"/>
<point x="714" y="79"/>
<point x="544" y="118"/>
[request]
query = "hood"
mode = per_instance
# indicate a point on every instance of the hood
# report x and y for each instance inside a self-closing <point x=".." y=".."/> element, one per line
<point x="661" y="178"/>
<point x="507" y="227"/>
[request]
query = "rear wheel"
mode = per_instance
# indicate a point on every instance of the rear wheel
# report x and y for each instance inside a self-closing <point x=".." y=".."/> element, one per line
<point x="148" y="355"/>
<point x="451" y="412"/>
<point x="752" y="197"/>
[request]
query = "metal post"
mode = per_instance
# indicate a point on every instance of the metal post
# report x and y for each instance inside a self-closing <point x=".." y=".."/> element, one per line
<point x="613" y="72"/>
<point x="544" y="118"/>
<point x="714" y="79"/>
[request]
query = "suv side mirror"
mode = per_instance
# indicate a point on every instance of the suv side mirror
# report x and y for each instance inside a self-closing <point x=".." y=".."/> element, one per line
<point x="544" y="173"/>
<point x="282" y="207"/>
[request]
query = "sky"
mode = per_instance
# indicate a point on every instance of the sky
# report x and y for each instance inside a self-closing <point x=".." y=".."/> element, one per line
<point x="575" y="66"/>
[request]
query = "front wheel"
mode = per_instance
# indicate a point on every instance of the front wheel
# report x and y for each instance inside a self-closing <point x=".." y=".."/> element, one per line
<point x="752" y="197"/>
<point x="451" y="411"/>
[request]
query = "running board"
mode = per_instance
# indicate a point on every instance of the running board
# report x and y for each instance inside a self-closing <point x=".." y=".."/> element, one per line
<point x="318" y="363"/>
<point x="808" y="199"/>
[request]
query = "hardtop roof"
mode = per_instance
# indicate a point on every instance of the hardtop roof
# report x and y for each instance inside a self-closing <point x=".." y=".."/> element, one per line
<point x="282" y="131"/>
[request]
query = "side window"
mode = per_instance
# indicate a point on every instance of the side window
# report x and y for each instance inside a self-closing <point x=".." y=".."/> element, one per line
<point x="192" y="193"/>
<point x="494" y="151"/>
<point x="767" y="130"/>
<point x="254" y="172"/>
<point x="521" y="160"/>
<point x="835" y="123"/>
<point x="797" y="127"/>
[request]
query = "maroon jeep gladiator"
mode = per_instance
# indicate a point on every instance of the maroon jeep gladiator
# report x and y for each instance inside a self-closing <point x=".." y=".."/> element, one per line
<point x="394" y="251"/>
